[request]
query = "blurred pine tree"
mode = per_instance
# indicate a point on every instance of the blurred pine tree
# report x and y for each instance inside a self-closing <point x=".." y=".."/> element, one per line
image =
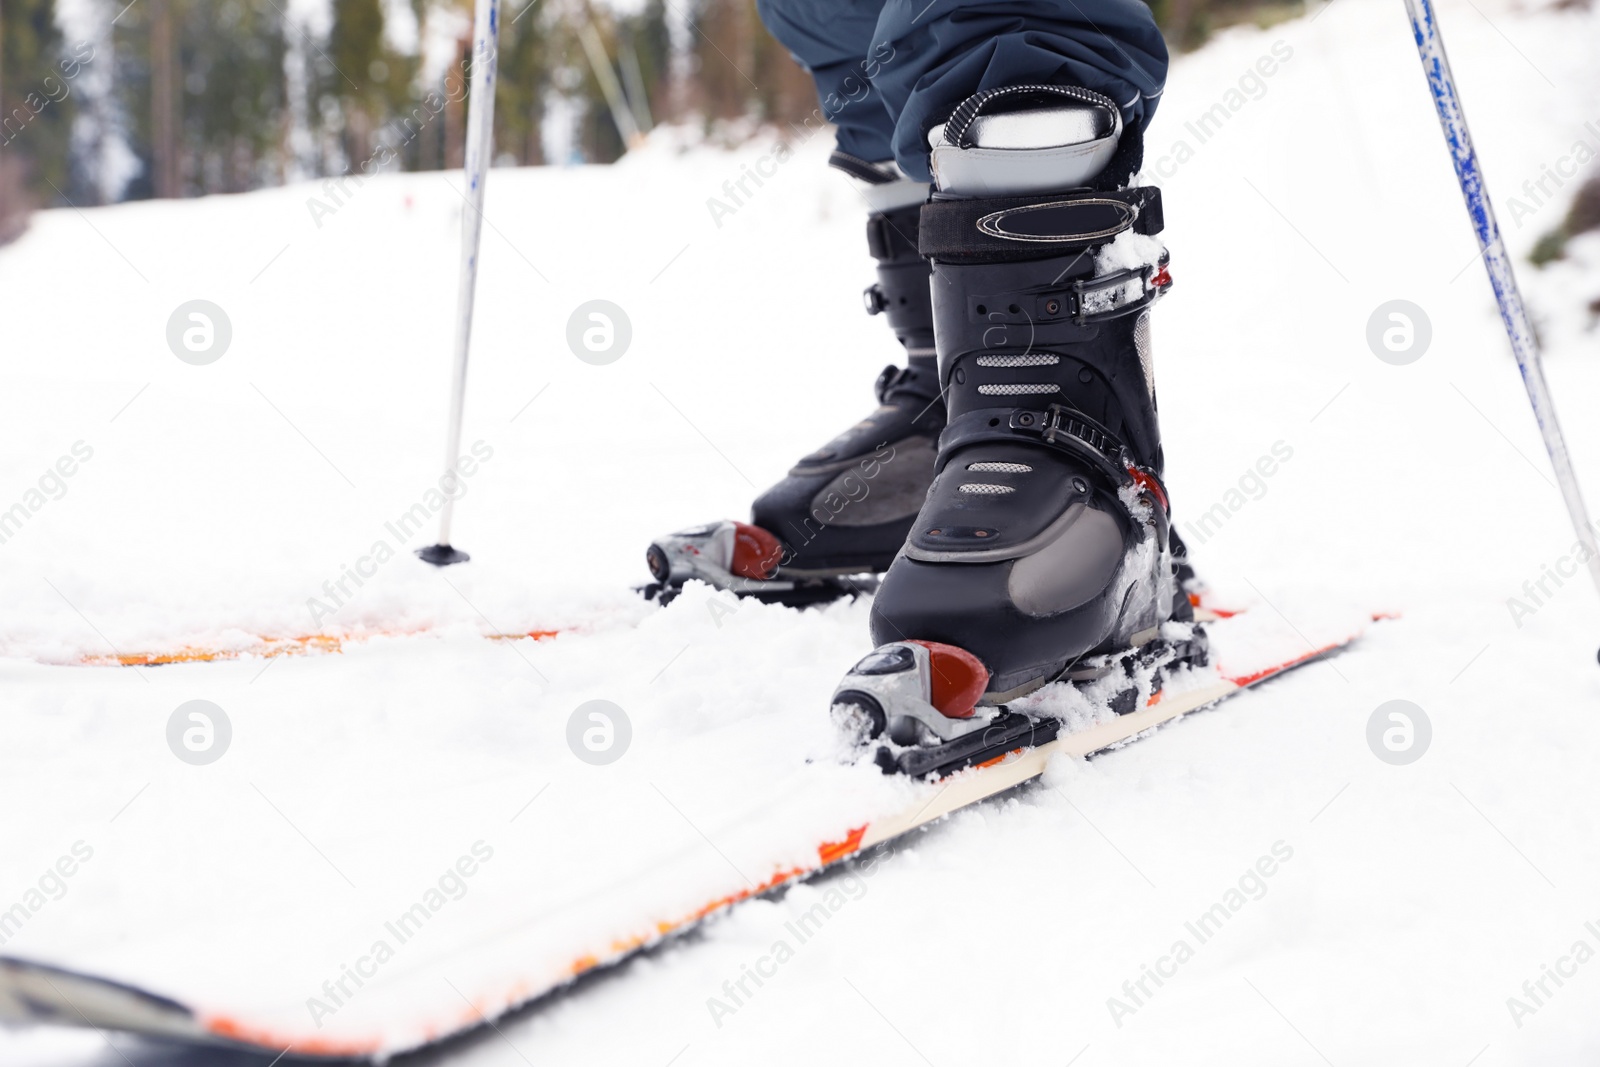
<point x="235" y="120"/>
<point x="361" y="62"/>
<point x="36" y="108"/>
<point x="527" y="61"/>
<point x="202" y="86"/>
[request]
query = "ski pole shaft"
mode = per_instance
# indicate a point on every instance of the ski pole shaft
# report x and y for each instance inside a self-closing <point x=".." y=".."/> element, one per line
<point x="479" y="147"/>
<point x="1442" y="84"/>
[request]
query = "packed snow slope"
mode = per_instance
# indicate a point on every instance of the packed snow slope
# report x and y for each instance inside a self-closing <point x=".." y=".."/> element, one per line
<point x="1444" y="911"/>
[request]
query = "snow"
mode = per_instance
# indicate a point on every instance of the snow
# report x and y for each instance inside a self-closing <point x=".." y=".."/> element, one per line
<point x="1414" y="900"/>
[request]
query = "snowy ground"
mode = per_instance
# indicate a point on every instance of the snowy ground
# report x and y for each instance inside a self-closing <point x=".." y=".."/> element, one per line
<point x="1406" y="903"/>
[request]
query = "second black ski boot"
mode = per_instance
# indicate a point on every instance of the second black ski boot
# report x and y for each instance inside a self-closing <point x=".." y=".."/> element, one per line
<point x="845" y="509"/>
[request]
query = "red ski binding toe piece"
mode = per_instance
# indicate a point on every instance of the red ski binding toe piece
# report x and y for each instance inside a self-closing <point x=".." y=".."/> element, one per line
<point x="957" y="679"/>
<point x="742" y="559"/>
<point x="915" y="693"/>
<point x="756" y="553"/>
<point x="727" y="554"/>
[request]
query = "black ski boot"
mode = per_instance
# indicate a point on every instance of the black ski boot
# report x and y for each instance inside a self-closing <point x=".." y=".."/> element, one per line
<point x="1043" y="547"/>
<point x="845" y="509"/>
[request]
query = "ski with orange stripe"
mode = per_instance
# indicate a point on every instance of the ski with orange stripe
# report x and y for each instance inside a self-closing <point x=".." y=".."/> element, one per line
<point x="36" y="991"/>
<point x="917" y="702"/>
<point x="1003" y="758"/>
<point x="271" y="647"/>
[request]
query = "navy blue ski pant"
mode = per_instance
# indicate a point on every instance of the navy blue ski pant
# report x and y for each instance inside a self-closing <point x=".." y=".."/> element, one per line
<point x="887" y="71"/>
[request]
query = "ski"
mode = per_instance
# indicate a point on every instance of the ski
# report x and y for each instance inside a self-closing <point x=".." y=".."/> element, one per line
<point x="1062" y="720"/>
<point x="261" y="646"/>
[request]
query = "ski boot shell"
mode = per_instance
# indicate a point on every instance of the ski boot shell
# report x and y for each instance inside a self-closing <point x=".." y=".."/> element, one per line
<point x="1044" y="540"/>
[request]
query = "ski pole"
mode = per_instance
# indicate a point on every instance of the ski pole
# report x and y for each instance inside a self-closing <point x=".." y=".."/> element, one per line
<point x="479" y="146"/>
<point x="1442" y="84"/>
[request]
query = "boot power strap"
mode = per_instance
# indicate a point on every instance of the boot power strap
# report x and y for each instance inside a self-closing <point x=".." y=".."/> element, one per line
<point x="1006" y="228"/>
